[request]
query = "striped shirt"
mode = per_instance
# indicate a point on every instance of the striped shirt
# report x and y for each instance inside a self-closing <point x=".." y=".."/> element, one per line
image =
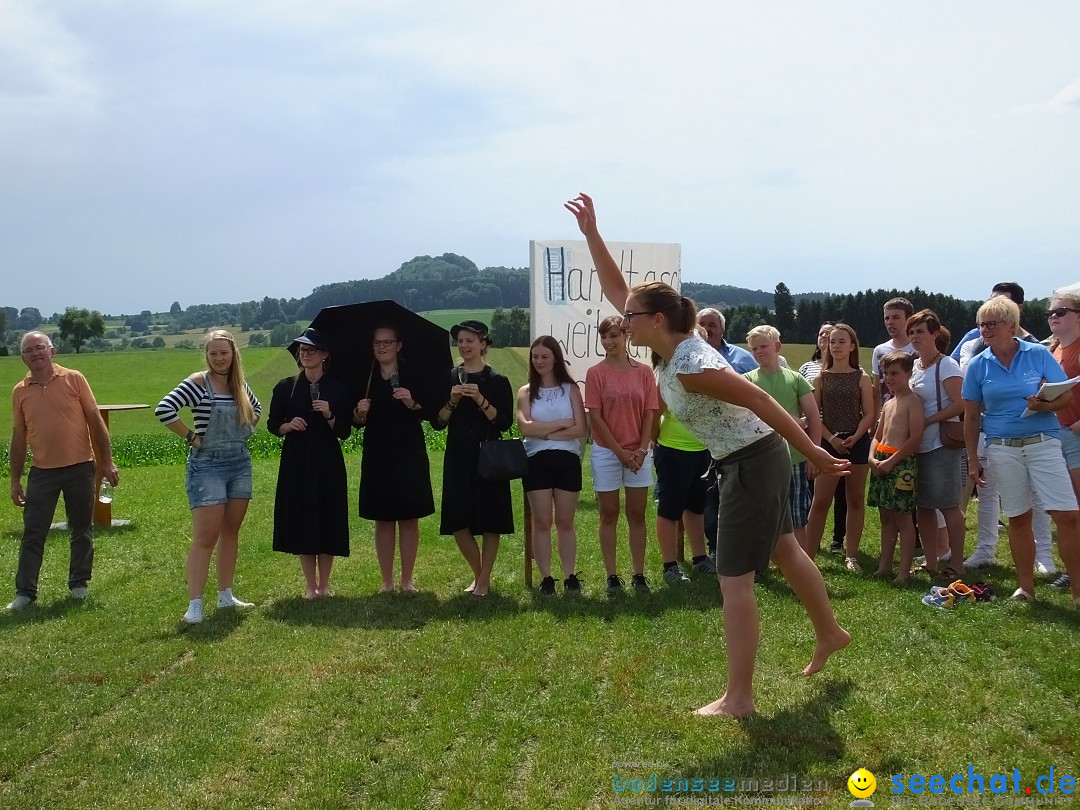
<point x="193" y="395"/>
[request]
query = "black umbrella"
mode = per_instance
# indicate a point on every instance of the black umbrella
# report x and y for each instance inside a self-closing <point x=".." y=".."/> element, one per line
<point x="351" y="328"/>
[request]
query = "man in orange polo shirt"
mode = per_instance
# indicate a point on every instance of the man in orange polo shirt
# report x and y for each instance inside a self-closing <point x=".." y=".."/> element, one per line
<point x="54" y="412"/>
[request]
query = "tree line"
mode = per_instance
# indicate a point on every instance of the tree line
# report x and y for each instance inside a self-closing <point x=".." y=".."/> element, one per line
<point x="799" y="322"/>
<point x="455" y="282"/>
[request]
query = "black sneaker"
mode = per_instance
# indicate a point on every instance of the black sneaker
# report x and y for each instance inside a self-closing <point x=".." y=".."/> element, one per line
<point x="614" y="585"/>
<point x="572" y="584"/>
<point x="1061" y="582"/>
<point x="640" y="584"/>
<point x="837" y="547"/>
<point x="547" y="586"/>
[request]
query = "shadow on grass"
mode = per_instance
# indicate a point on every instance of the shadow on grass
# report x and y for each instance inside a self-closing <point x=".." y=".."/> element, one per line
<point x="798" y="741"/>
<point x="389" y="611"/>
<point x="215" y="625"/>
<point x="702" y="594"/>
<point x="384" y="611"/>
<point x="40" y="612"/>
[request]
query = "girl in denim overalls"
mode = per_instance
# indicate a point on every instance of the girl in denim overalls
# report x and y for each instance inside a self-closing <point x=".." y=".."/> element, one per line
<point x="218" y="465"/>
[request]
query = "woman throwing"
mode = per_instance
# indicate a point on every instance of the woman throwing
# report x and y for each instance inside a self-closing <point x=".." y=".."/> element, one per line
<point x="395" y="478"/>
<point x="551" y="417"/>
<point x="742" y="426"/>
<point x="224" y="414"/>
<point x="311" y="507"/>
<point x="480" y="407"/>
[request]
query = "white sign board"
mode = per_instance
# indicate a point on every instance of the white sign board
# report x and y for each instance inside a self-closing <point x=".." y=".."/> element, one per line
<point x="565" y="300"/>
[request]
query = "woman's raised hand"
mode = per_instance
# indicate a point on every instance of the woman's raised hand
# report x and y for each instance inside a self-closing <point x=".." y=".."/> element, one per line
<point x="584" y="211"/>
<point x="360" y="412"/>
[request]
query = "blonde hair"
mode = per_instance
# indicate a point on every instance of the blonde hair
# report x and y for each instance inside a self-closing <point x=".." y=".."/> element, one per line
<point x="765" y="331"/>
<point x="1000" y="308"/>
<point x="1070" y="297"/>
<point x="245" y="414"/>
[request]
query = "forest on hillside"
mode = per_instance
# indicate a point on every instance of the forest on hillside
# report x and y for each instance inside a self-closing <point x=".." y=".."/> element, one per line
<point x="455" y="282"/>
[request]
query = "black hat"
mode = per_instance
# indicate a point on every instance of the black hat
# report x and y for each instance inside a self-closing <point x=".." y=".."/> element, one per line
<point x="314" y="337"/>
<point x="479" y="327"/>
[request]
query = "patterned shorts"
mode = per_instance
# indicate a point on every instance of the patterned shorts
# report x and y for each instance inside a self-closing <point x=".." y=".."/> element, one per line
<point x="895" y="491"/>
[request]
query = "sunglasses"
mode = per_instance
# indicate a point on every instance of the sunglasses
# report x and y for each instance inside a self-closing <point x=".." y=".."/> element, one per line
<point x="1060" y="312"/>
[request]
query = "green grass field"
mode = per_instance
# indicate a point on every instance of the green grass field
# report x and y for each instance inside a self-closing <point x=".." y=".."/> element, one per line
<point x="145" y="376"/>
<point x="441" y="700"/>
<point x="444" y="701"/>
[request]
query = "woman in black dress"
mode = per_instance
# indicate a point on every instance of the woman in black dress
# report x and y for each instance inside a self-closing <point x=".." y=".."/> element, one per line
<point x="395" y="480"/>
<point x="311" y="508"/>
<point x="481" y="406"/>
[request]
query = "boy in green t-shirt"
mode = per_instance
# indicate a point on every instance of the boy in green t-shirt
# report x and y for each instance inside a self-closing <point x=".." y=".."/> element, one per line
<point x="795" y="395"/>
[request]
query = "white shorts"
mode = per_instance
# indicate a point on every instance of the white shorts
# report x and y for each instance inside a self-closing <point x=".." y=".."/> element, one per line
<point x="609" y="475"/>
<point x="1038" y="468"/>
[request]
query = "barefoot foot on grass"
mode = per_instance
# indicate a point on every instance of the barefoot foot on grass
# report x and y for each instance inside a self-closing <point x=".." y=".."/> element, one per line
<point x="724" y="706"/>
<point x="826" y="647"/>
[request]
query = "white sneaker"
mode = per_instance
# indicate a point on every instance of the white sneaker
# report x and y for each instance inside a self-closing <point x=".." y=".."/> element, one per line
<point x="225" y="599"/>
<point x="20" y="602"/>
<point x="1045" y="569"/>
<point x="194" y="612"/>
<point x="78" y="592"/>
<point x="978" y="560"/>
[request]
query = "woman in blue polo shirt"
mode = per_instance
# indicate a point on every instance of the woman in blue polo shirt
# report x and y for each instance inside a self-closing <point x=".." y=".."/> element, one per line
<point x="1022" y="452"/>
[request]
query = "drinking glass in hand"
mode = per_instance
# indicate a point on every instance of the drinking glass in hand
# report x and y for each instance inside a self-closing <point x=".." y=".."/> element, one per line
<point x="314" y="389"/>
<point x="105" y="492"/>
<point x="462" y="374"/>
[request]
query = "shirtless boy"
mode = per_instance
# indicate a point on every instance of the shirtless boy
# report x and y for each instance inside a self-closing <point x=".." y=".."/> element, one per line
<point x="892" y="464"/>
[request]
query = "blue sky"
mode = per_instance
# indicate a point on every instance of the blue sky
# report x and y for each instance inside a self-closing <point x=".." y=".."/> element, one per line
<point x="208" y="150"/>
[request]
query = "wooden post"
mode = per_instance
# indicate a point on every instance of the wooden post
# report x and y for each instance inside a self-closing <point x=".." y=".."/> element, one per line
<point x="528" y="540"/>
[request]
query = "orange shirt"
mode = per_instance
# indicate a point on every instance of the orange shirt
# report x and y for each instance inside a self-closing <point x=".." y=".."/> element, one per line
<point x="54" y="417"/>
<point x="1069" y="358"/>
<point x="623" y="394"/>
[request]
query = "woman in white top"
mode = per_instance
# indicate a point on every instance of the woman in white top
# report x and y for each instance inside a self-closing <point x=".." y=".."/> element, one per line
<point x="551" y="417"/>
<point x="937" y="380"/>
<point x="736" y="420"/>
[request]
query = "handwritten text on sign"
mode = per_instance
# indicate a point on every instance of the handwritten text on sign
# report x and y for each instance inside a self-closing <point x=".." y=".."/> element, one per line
<point x="566" y="299"/>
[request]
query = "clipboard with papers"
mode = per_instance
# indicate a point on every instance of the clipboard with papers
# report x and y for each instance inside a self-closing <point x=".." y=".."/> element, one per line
<point x="1051" y="391"/>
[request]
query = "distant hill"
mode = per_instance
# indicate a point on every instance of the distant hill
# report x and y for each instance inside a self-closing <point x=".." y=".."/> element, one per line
<point x="431" y="282"/>
<point x="451" y="281"/>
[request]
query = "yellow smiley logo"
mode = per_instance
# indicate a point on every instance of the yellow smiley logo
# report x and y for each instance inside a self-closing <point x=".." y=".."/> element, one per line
<point x="861" y="783"/>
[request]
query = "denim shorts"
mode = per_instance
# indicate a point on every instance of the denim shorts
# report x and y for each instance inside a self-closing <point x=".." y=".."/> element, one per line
<point x="1070" y="448"/>
<point x="216" y="477"/>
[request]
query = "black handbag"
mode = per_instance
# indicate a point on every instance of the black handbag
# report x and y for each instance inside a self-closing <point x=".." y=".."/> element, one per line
<point x="502" y="460"/>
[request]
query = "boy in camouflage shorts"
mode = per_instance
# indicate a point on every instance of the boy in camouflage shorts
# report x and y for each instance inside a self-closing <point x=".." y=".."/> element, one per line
<point x="892" y="464"/>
